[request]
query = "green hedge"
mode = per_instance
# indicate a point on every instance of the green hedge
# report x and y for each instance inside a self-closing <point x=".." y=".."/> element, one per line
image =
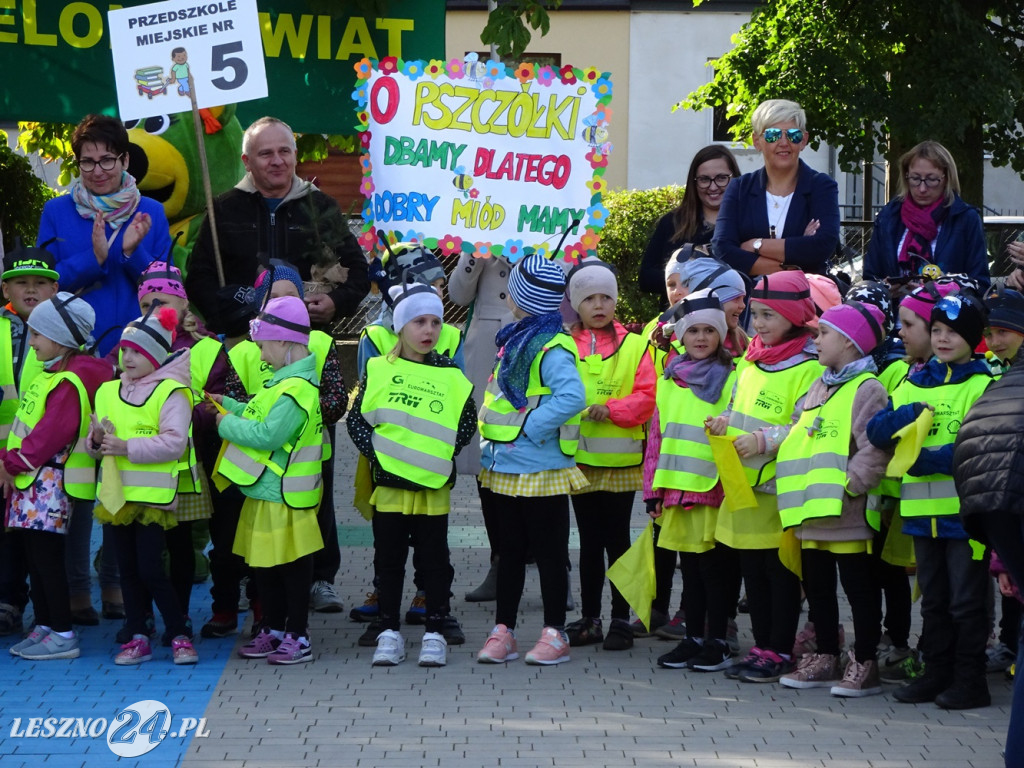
<point x="632" y="215"/>
<point x="24" y="195"/>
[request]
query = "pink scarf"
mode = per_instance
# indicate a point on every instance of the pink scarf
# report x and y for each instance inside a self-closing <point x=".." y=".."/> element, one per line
<point x="757" y="352"/>
<point x="922" y="227"/>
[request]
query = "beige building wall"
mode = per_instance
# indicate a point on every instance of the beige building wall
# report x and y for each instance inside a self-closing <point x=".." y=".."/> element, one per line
<point x="583" y="39"/>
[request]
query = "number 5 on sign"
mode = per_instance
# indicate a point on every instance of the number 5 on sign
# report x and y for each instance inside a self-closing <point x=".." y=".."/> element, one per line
<point x="170" y="55"/>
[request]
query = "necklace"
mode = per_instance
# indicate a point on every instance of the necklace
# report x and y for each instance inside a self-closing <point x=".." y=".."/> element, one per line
<point x="777" y="200"/>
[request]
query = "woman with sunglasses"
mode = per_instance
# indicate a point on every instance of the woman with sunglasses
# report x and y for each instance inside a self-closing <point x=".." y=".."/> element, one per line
<point x="785" y="215"/>
<point x="927" y="223"/>
<point x="693" y="220"/>
<point x="104" y="233"/>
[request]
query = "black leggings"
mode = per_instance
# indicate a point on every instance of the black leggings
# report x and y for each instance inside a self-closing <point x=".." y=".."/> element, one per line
<point x="226" y="568"/>
<point x="393" y="534"/>
<point x="894" y="584"/>
<point x="539" y="524"/>
<point x="709" y="592"/>
<point x="284" y="595"/>
<point x="773" y="594"/>
<point x="181" y="556"/>
<point x="855" y="571"/>
<point x="603" y="521"/>
<point x="44" y="556"/>
<point x="140" y="550"/>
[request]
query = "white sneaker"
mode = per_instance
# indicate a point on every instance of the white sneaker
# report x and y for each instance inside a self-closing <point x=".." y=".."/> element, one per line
<point x="323" y="598"/>
<point x="390" y="649"/>
<point x="433" y="650"/>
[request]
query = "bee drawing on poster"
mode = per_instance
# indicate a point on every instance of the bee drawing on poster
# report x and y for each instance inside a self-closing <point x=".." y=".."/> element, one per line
<point x="150" y="81"/>
<point x="463" y="182"/>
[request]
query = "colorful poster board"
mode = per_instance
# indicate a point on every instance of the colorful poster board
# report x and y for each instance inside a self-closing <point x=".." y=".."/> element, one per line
<point x="477" y="157"/>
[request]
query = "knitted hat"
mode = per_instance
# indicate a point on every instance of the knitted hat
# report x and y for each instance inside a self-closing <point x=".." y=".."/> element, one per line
<point x="591" y="277"/>
<point x="1005" y="310"/>
<point x="536" y="285"/>
<point x="923" y="299"/>
<point x="410" y="262"/>
<point x="152" y="334"/>
<point x="702" y="307"/>
<point x="411" y="300"/>
<point x="677" y="261"/>
<point x="876" y="294"/>
<point x="825" y="295"/>
<point x="236" y="306"/>
<point x="283" y="319"/>
<point x="22" y="261"/>
<point x="788" y="293"/>
<point x="265" y="281"/>
<point x="65" y="319"/>
<point x="726" y="285"/>
<point x="963" y="313"/>
<point x="860" y="323"/>
<point x="161" y="277"/>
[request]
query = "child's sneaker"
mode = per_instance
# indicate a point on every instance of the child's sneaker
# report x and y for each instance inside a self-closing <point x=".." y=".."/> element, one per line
<point x="182" y="650"/>
<point x="767" y="669"/>
<point x="859" y="680"/>
<point x="713" y="656"/>
<point x="261" y="646"/>
<point x="369" y="637"/>
<point x="35" y="636"/>
<point x="452" y="631"/>
<point x="619" y="637"/>
<point x="814" y="670"/>
<point x="323" y="598"/>
<point x="417" y="613"/>
<point x="585" y="631"/>
<point x="499" y="647"/>
<point x="807" y="640"/>
<point x="221" y="625"/>
<point x="10" y="620"/>
<point x="291" y="650"/>
<point x="680" y="656"/>
<point x="368" y="610"/>
<point x="658" y="619"/>
<point x="433" y="650"/>
<point x="907" y="670"/>
<point x="390" y="649"/>
<point x="135" y="651"/>
<point x="675" y="629"/>
<point x="53" y="646"/>
<point x="551" y="648"/>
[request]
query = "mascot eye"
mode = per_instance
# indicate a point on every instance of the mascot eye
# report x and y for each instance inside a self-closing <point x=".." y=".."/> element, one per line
<point x="156" y="125"/>
<point x="129" y="124"/>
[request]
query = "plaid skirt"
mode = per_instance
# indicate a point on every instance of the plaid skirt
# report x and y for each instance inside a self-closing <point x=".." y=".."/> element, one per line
<point x="612" y="479"/>
<point x="550" y="482"/>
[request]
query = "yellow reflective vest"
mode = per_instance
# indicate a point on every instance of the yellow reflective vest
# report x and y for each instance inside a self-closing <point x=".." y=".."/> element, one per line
<point x="602" y="444"/>
<point x="685" y="462"/>
<point x="80" y="467"/>
<point x="254" y="373"/>
<point x="810" y="473"/>
<point x="9" y="386"/>
<point x="414" y="410"/>
<point x="301" y="480"/>
<point x="202" y="356"/>
<point x="765" y="399"/>
<point x="501" y="423"/>
<point x="384" y="339"/>
<point x="935" y="495"/>
<point x="152" y="484"/>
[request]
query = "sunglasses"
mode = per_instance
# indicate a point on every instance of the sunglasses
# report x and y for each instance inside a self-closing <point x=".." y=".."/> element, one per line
<point x="795" y="135"/>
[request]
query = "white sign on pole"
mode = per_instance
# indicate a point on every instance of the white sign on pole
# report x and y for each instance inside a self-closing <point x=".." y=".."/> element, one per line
<point x="163" y="50"/>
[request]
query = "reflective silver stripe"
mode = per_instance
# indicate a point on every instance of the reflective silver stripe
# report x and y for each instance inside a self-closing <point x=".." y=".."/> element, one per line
<point x="609" y="444"/>
<point x="747" y="423"/>
<point x="677" y="463"/>
<point x="411" y="456"/>
<point x="933" y="490"/>
<point x="676" y="431"/>
<point x="805" y="465"/>
<point x="82" y="475"/>
<point x="311" y="453"/>
<point x="10" y="392"/>
<point x="410" y="422"/>
<point x="813" y="492"/>
<point x="244" y="462"/>
<point x="512" y="418"/>
<point x="137" y="478"/>
<point x="19" y="429"/>
<point x="301" y="483"/>
<point x="569" y="432"/>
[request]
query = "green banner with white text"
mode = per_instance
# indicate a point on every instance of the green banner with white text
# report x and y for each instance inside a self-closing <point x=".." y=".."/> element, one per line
<point x="56" y="63"/>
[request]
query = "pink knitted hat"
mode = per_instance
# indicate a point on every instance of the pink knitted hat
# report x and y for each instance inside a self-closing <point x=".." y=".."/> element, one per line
<point x="825" y="295"/>
<point x="860" y="323"/>
<point x="283" y="319"/>
<point x="923" y="299"/>
<point x="161" y="277"/>
<point x="788" y="293"/>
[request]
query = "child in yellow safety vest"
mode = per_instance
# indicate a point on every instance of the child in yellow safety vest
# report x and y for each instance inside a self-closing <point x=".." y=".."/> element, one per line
<point x="46" y="467"/>
<point x="826" y="467"/>
<point x="774" y="374"/>
<point x="275" y="453"/>
<point x="141" y="431"/>
<point x="682" y="489"/>
<point x="413" y="414"/>
<point x="618" y="377"/>
<point x="952" y="570"/>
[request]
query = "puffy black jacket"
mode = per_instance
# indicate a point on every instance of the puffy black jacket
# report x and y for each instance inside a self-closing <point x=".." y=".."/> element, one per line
<point x="988" y="458"/>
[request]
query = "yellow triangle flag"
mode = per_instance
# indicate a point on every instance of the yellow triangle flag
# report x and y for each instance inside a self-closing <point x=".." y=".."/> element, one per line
<point x="363" y="484"/>
<point x="633" y="574"/>
<point x="738" y="493"/>
<point x="111" y="494"/>
<point x="911" y="438"/>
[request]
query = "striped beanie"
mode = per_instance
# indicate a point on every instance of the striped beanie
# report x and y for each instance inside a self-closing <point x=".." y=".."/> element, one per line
<point x="537" y="285"/>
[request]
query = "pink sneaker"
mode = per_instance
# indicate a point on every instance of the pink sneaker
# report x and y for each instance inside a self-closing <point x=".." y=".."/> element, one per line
<point x="499" y="648"/>
<point x="291" y="651"/>
<point x="182" y="650"/>
<point x="552" y="648"/>
<point x="135" y="651"/>
<point x="261" y="646"/>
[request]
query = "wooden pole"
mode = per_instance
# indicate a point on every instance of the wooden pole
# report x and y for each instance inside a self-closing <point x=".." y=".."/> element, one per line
<point x="197" y="121"/>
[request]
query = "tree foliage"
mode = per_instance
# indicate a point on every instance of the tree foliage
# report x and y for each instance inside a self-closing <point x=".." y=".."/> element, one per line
<point x="24" y="195"/>
<point x="877" y="76"/>
<point x="508" y="26"/>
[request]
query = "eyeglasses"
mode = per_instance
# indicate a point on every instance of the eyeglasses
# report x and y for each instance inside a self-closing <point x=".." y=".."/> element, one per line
<point x="721" y="181"/>
<point x="795" y="135"/>
<point x="88" y="165"/>
<point x="929" y="181"/>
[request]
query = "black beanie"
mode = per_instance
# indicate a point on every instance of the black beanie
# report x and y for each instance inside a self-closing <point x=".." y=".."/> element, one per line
<point x="1006" y="310"/>
<point x="965" y="314"/>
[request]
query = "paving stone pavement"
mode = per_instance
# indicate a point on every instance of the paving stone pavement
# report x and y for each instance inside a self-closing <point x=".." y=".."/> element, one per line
<point x="601" y="709"/>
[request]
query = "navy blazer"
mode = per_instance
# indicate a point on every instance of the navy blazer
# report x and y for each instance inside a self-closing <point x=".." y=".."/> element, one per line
<point x="744" y="215"/>
<point x="959" y="247"/>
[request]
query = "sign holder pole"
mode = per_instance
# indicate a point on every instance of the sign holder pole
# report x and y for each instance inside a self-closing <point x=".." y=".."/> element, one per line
<point x="197" y="121"/>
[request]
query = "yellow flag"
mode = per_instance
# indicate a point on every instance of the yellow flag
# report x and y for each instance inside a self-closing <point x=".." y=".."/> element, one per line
<point x="111" y="494"/>
<point x="911" y="438"/>
<point x="219" y="480"/>
<point x="633" y="574"/>
<point x="738" y="493"/>
<point x="789" y="553"/>
<point x="363" y="484"/>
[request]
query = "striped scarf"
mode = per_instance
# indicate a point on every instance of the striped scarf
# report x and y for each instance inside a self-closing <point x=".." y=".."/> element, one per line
<point x="115" y="209"/>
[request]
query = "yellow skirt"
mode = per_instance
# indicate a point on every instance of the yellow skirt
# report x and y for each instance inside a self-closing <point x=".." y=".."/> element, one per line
<point x="549" y="482"/>
<point x="270" y="533"/>
<point x="133" y="512"/>
<point x="838" y="547"/>
<point x="755" y="528"/>
<point x="611" y="479"/>
<point x="425" y="502"/>
<point x="688" y="530"/>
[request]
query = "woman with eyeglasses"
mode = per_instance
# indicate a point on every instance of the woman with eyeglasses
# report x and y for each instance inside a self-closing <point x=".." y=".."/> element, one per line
<point x="785" y="215"/>
<point x="104" y="233"/>
<point x="693" y="220"/>
<point x="927" y="223"/>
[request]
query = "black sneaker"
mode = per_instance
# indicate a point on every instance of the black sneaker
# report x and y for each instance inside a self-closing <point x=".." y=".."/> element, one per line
<point x="741" y="666"/>
<point x="680" y="656"/>
<point x="768" y="668"/>
<point x="369" y="638"/>
<point x="619" y="637"/>
<point x="585" y="631"/>
<point x="922" y="690"/>
<point x="715" y="655"/>
<point x="965" y="696"/>
<point x="452" y="631"/>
